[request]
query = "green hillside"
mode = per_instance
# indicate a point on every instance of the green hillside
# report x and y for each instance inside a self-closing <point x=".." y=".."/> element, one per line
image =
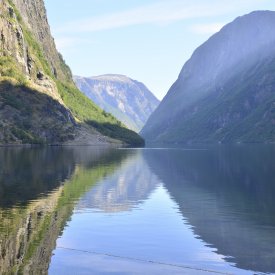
<point x="35" y="69"/>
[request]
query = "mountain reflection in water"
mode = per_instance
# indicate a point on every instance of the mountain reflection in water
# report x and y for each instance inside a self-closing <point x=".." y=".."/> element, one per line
<point x="227" y="194"/>
<point x="209" y="209"/>
<point x="130" y="185"/>
<point x="39" y="188"/>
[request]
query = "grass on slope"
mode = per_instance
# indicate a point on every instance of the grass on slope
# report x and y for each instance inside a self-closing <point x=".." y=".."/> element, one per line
<point x="9" y="69"/>
<point x="88" y="112"/>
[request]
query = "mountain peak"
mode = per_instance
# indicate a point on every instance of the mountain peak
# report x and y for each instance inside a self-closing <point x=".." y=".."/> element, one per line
<point x="127" y="99"/>
<point x="237" y="51"/>
<point x="111" y="77"/>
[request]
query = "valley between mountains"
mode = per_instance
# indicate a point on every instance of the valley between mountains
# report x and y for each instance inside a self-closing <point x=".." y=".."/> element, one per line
<point x="225" y="92"/>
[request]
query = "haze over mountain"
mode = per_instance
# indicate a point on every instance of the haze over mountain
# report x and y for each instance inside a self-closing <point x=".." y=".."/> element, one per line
<point x="128" y="100"/>
<point x="225" y="91"/>
<point x="39" y="102"/>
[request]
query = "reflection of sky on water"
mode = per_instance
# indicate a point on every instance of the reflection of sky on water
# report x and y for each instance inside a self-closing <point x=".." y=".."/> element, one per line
<point x="153" y="231"/>
<point x="129" y="185"/>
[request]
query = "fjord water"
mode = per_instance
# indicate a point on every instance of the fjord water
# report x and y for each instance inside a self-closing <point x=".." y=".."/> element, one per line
<point x="81" y="210"/>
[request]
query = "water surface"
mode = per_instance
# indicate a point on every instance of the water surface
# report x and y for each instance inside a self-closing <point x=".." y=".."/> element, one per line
<point x="82" y="210"/>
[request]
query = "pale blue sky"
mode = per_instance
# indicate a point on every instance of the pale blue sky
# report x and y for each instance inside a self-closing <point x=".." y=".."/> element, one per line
<point x="147" y="40"/>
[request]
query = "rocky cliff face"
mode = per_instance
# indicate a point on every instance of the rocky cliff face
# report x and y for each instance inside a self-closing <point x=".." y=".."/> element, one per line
<point x="39" y="102"/>
<point x="225" y="92"/>
<point x="128" y="100"/>
<point x="34" y="15"/>
<point x="27" y="46"/>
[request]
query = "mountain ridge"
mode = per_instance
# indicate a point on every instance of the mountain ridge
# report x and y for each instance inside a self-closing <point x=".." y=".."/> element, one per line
<point x="239" y="47"/>
<point x="127" y="99"/>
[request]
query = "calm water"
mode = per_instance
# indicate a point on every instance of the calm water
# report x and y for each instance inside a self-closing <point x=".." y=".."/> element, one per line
<point x="204" y="210"/>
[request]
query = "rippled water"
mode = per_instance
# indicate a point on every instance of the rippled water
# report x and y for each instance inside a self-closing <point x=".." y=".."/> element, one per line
<point x="82" y="210"/>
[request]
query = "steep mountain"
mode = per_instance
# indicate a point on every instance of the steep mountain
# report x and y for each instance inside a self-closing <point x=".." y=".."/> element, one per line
<point x="128" y="100"/>
<point x="39" y="102"/>
<point x="225" y="91"/>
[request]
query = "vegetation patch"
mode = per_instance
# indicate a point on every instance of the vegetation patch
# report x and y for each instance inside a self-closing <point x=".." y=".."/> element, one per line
<point x="86" y="111"/>
<point x="9" y="68"/>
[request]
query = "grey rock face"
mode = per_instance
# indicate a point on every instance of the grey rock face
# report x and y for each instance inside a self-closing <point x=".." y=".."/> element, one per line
<point x="128" y="100"/>
<point x="228" y="70"/>
<point x="34" y="15"/>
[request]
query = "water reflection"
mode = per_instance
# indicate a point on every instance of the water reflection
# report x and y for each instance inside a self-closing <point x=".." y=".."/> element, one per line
<point x="227" y="194"/>
<point x="39" y="188"/>
<point x="25" y="173"/>
<point x="208" y="209"/>
<point x="130" y="185"/>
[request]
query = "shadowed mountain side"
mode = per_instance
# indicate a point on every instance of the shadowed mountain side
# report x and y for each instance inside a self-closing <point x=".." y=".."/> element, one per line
<point x="222" y="194"/>
<point x="118" y="132"/>
<point x="225" y="91"/>
<point x="124" y="190"/>
<point x="28" y="116"/>
<point x="28" y="235"/>
<point x="243" y="110"/>
<point x="32" y="117"/>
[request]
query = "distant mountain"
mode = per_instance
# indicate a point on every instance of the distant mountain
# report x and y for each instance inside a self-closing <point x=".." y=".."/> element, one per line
<point x="226" y="91"/>
<point x="128" y="100"/>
